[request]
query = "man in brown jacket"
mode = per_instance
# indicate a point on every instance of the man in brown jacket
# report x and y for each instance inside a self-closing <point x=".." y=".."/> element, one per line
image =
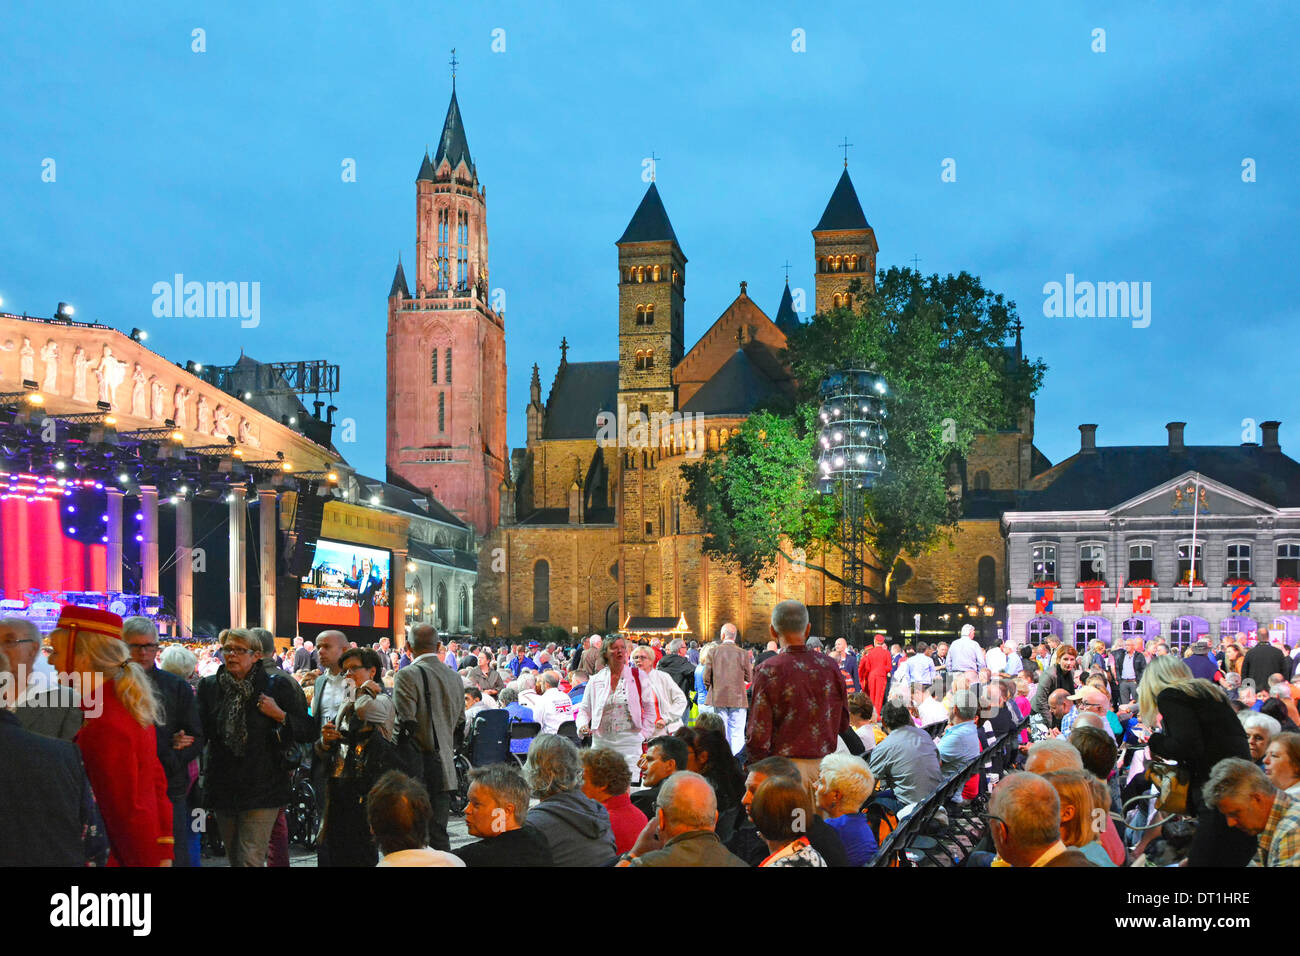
<point x="726" y="673"/>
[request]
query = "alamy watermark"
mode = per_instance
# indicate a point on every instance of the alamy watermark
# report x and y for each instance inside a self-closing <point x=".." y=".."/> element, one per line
<point x="211" y="300"/>
<point x="657" y="429"/>
<point x="1101" y="300"/>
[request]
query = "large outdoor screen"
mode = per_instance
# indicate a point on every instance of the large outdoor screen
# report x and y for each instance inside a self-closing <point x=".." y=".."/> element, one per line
<point x="348" y="585"/>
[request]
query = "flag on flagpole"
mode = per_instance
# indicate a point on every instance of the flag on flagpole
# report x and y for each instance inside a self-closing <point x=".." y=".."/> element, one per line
<point x="1043" y="600"/>
<point x="1289" y="594"/>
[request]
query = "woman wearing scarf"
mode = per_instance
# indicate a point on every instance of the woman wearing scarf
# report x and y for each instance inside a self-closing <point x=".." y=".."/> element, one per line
<point x="1059" y="675"/>
<point x="117" y="742"/>
<point x="358" y="748"/>
<point x="251" y="718"/>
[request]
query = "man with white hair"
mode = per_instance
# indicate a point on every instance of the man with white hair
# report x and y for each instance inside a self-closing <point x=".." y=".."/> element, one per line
<point x="554" y="706"/>
<point x="727" y="672"/>
<point x="965" y="656"/>
<point x="42" y="706"/>
<point x="1047" y="756"/>
<point x="682" y="833"/>
<point x="1004" y="659"/>
<point x="800" y="706"/>
<point x="590" y="661"/>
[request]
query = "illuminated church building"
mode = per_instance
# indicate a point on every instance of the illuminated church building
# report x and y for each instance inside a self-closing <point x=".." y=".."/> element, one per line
<point x="587" y="537"/>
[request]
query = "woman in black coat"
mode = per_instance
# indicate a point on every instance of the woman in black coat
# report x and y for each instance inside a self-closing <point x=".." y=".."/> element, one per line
<point x="250" y="718"/>
<point x="358" y="749"/>
<point x="1059" y="675"/>
<point x="1198" y="728"/>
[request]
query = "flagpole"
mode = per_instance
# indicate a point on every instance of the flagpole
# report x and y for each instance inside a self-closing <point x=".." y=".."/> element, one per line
<point x="1196" y="507"/>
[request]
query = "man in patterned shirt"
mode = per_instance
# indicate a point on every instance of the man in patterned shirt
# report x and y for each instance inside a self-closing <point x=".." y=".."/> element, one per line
<point x="800" y="706"/>
<point x="1248" y="801"/>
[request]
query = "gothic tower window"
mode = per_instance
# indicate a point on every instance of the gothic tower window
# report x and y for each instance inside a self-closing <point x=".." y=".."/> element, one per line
<point x="541" y="591"/>
<point x="462" y="251"/>
<point x="442" y="413"/>
<point x="440" y="613"/>
<point x="443" y="236"/>
<point x="447" y="377"/>
<point x="463" y="611"/>
<point x="434" y="366"/>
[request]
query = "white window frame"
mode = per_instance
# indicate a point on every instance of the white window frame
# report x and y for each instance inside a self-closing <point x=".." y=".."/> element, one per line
<point x="1055" y="561"/>
<point x="1229" y="559"/>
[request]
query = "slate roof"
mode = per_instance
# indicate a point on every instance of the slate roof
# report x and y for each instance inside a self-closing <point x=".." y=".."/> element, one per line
<point x="403" y="491"/>
<point x="453" y="146"/>
<point x="738" y="387"/>
<point x="426" y="169"/>
<point x="787" y="320"/>
<point x="399" y="283"/>
<point x="647" y="624"/>
<point x="581" y="391"/>
<point x="843" y="211"/>
<point x="650" y="221"/>
<point x="446" y="557"/>
<point x="1094" y="481"/>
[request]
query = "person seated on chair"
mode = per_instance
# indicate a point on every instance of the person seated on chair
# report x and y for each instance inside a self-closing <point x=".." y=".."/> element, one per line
<point x="398" y="811"/>
<point x="553" y="706"/>
<point x="843" y="786"/>
<point x="474" y="704"/>
<point x="605" y="779"/>
<point x="663" y="757"/>
<point x="575" y="826"/>
<point x="498" y="802"/>
<point x="509" y="699"/>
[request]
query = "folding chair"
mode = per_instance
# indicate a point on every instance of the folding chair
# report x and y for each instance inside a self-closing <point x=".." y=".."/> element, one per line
<point x="522" y="733"/>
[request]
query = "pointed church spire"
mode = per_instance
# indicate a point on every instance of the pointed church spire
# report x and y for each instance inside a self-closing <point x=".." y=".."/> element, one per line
<point x="843" y="211"/>
<point x="399" y="281"/>
<point x="787" y="320"/>
<point x="453" y="146"/>
<point x="650" y="221"/>
<point x="426" y="168"/>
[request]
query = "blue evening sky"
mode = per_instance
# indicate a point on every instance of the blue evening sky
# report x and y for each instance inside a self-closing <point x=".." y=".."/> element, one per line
<point x="1117" y="166"/>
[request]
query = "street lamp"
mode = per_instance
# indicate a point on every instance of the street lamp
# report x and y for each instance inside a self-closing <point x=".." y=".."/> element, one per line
<point x="494" y="627"/>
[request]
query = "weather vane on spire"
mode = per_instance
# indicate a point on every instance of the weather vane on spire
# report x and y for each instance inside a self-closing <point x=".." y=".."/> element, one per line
<point x="845" y="146"/>
<point x="454" y="63"/>
<point x="654" y="163"/>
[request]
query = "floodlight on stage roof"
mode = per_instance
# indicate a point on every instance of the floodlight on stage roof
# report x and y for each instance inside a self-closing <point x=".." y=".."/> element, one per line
<point x="139" y="335"/>
<point x="64" y="311"/>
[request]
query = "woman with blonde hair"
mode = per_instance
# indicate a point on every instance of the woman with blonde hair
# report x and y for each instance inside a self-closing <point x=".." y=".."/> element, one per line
<point x="1083" y="814"/>
<point x="118" y="741"/>
<point x="1197" y="728"/>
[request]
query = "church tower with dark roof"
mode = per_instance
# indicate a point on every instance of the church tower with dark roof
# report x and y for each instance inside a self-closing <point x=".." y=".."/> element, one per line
<point x="446" y="343"/>
<point x="845" y="248"/>
<point x="651" y="306"/>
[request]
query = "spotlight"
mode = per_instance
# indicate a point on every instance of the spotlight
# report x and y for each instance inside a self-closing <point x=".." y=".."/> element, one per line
<point x="35" y="398"/>
<point x="374" y="499"/>
<point x="194" y="367"/>
<point x="123" y="478"/>
<point x="104" y="406"/>
<point x="293" y="419"/>
<point x="64" y="312"/>
<point x="332" y="477"/>
<point x="169" y="422"/>
<point x="247" y="396"/>
<point x="139" y="335"/>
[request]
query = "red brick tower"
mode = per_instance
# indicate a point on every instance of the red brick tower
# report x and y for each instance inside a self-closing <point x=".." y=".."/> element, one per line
<point x="446" y="344"/>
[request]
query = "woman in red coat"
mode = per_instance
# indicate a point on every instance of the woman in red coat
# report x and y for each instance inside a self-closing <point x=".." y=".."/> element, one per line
<point x="117" y="741"/>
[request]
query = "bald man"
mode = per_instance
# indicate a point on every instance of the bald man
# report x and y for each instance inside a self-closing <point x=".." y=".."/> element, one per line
<point x="1061" y="713"/>
<point x="1049" y="755"/>
<point x="1025" y="822"/>
<point x="682" y="831"/>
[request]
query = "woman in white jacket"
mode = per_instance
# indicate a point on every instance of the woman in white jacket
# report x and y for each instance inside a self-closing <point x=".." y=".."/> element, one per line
<point x="669" y="699"/>
<point x="618" y="707"/>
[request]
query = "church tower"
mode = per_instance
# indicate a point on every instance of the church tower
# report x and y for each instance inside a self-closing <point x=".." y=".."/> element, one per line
<point x="845" y="248"/>
<point x="446" y="344"/>
<point x="651" y="305"/>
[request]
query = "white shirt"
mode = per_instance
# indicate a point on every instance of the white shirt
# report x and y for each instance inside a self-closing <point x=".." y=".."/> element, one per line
<point x="332" y="696"/>
<point x="553" y="708"/>
<point x="996" y="660"/>
<point x="669" y="697"/>
<point x="931" y="711"/>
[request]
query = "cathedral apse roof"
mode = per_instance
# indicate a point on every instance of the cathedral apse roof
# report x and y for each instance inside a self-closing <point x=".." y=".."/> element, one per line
<point x="738" y="387"/>
<point x="581" y="391"/>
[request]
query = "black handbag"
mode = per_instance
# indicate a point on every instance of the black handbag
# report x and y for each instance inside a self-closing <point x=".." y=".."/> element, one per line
<point x="293" y="753"/>
<point x="410" y="757"/>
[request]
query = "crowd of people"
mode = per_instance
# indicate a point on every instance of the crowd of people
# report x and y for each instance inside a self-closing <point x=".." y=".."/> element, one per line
<point x="122" y="751"/>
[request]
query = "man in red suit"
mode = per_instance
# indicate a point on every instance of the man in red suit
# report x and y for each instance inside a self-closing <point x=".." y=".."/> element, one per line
<point x="873" y="672"/>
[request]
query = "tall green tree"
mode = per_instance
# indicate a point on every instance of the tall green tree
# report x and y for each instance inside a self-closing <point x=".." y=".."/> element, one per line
<point x="940" y="343"/>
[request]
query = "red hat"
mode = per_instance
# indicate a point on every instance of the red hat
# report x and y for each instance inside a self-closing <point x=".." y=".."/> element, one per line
<point x="90" y="619"/>
<point x="880" y="639"/>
